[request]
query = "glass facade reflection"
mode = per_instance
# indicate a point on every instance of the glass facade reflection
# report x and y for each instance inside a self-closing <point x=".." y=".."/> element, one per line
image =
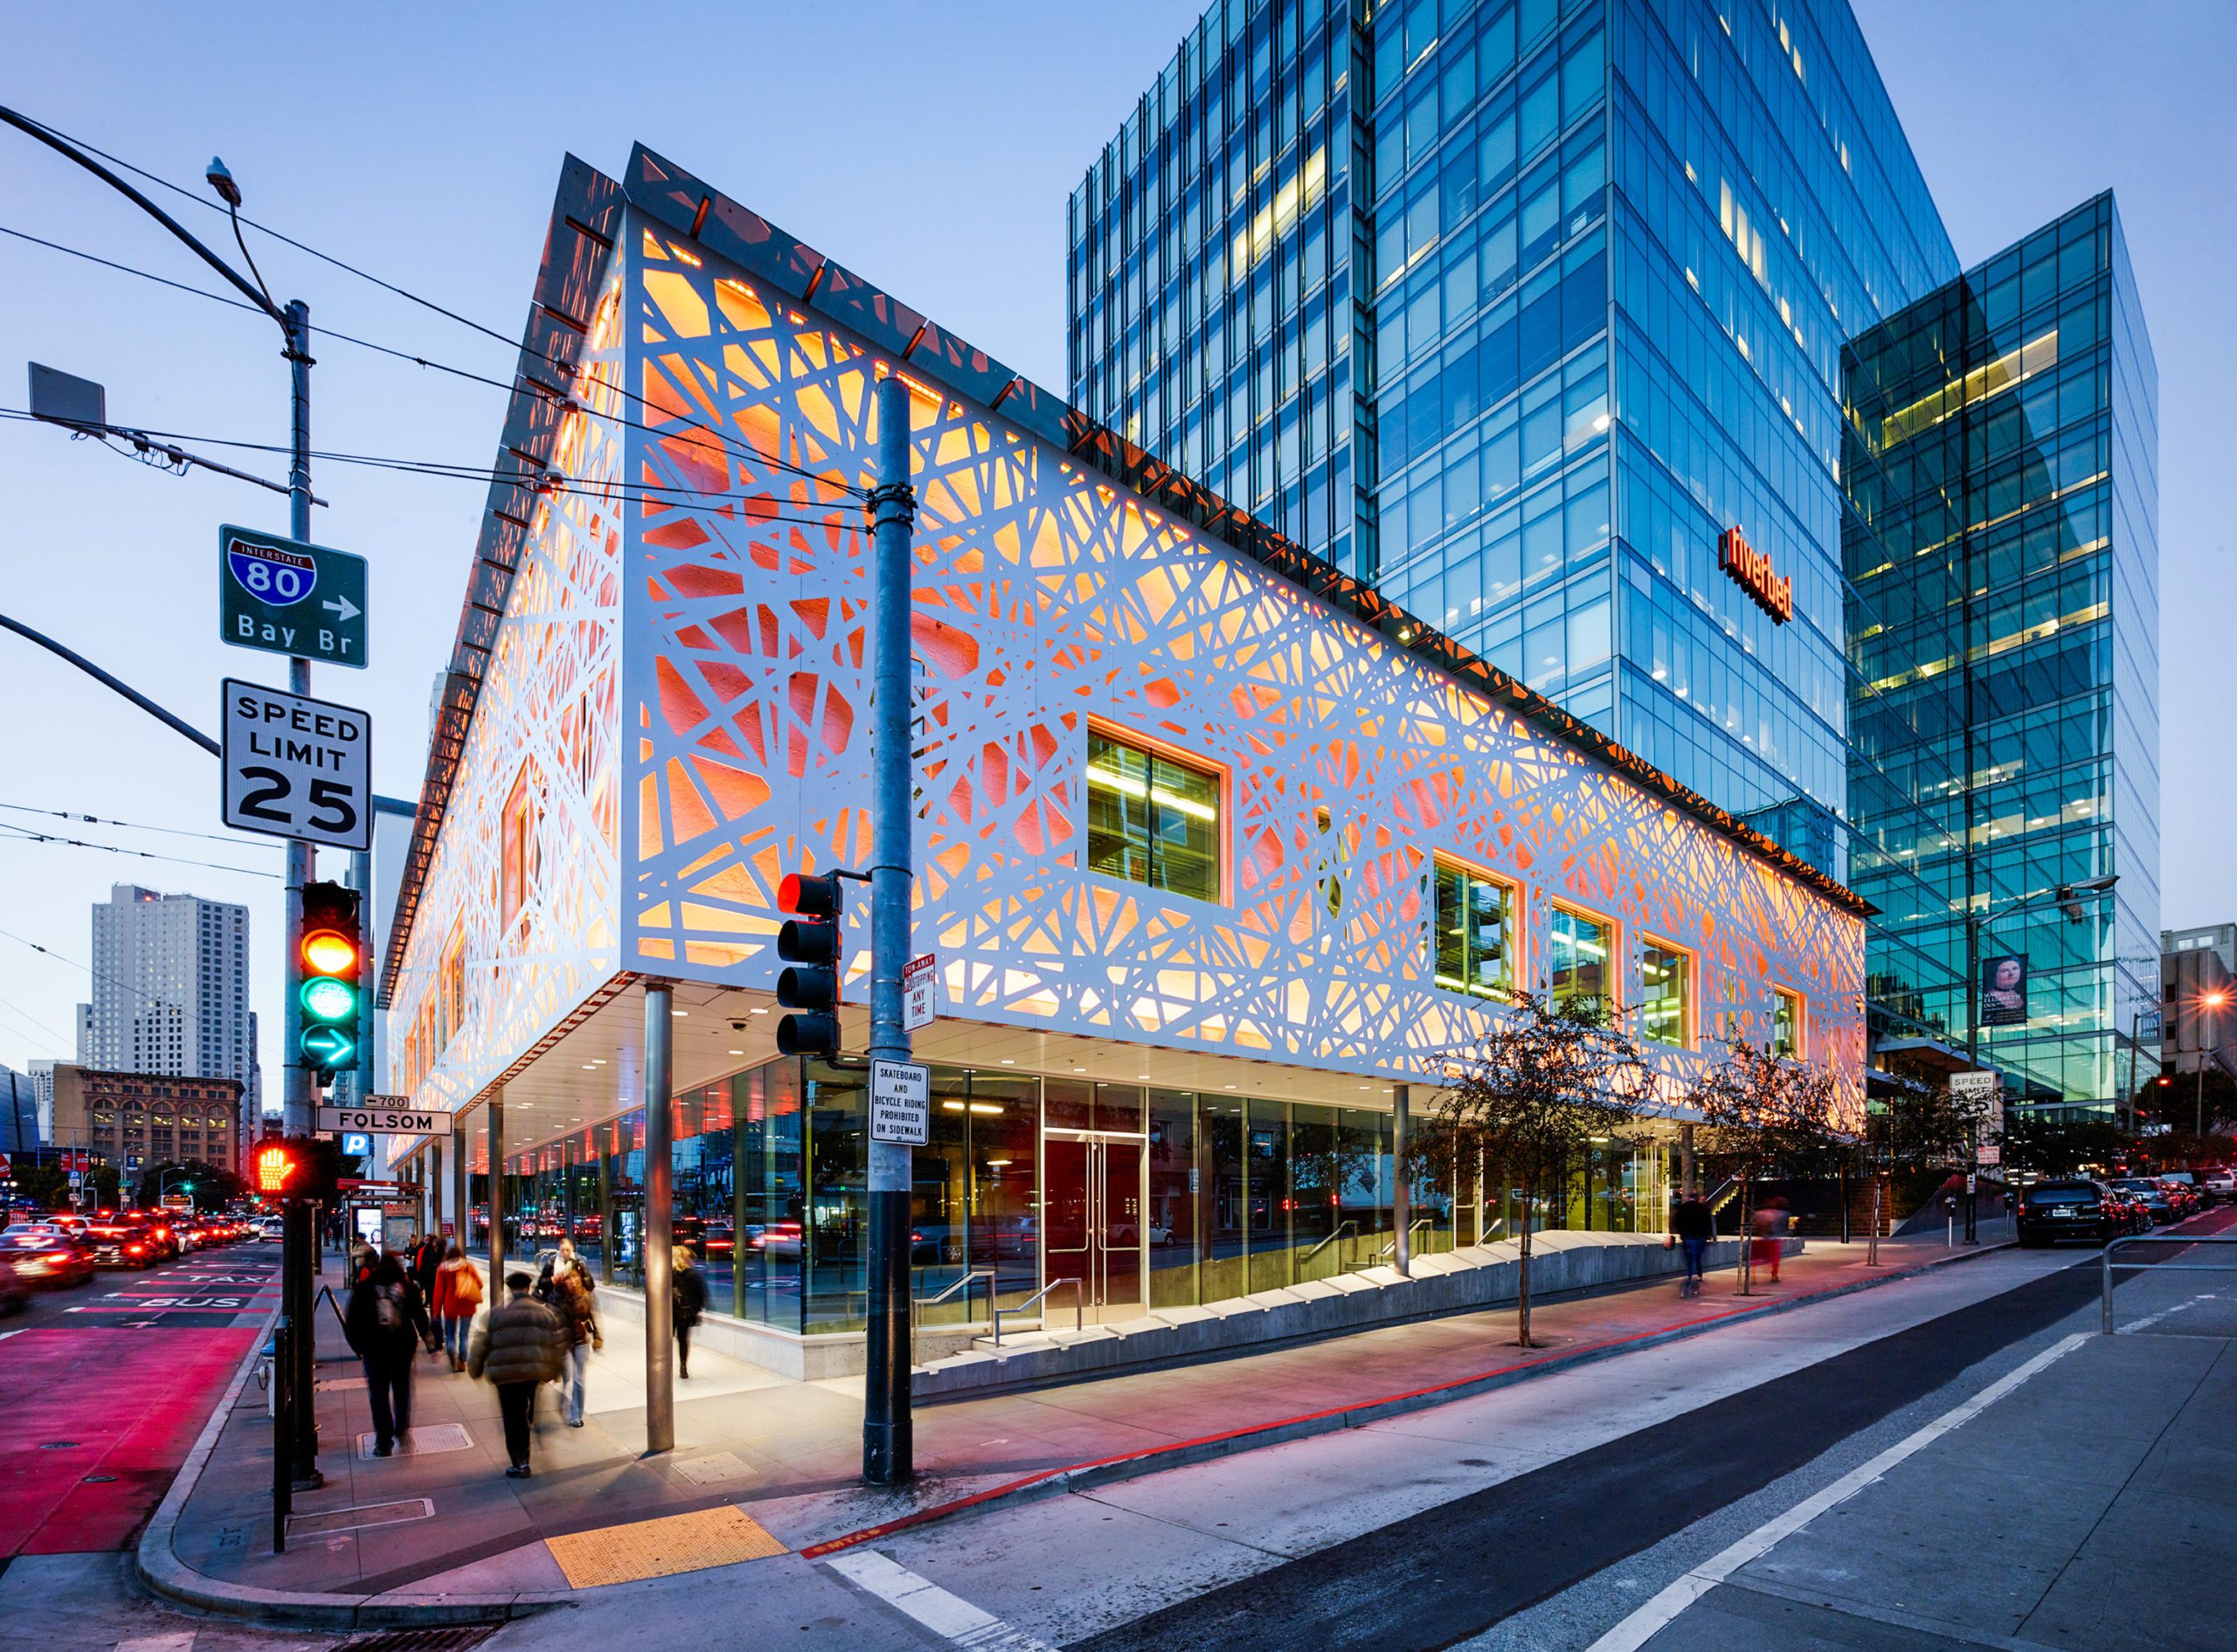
<point x="1513" y="307"/>
<point x="1152" y="1198"/>
<point x="2002" y="540"/>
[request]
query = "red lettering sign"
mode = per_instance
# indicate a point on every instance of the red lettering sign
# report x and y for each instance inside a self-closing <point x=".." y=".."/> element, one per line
<point x="1751" y="570"/>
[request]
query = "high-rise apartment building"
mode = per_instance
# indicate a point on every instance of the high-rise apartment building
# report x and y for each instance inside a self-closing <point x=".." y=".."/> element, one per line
<point x="1531" y="312"/>
<point x="171" y="992"/>
<point x="2001" y="460"/>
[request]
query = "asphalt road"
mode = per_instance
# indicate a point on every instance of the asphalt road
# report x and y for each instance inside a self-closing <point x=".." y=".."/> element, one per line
<point x="104" y="1387"/>
<point x="1446" y="1574"/>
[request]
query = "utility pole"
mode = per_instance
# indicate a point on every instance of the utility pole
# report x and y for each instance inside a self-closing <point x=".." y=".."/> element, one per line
<point x="887" y="1435"/>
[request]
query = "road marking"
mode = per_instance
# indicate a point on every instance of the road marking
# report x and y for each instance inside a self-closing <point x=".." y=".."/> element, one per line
<point x="1652" y="1619"/>
<point x="943" y="1614"/>
<point x="2153" y="1319"/>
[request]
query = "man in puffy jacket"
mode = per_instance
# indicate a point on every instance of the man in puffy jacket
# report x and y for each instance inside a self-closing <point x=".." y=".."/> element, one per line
<point x="386" y="1323"/>
<point x="518" y="1346"/>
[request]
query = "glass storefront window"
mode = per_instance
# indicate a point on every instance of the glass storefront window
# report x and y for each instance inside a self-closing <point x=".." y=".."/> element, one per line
<point x="1576" y="956"/>
<point x="1151" y="820"/>
<point x="1786" y="1023"/>
<point x="1666" y="982"/>
<point x="1474" y="940"/>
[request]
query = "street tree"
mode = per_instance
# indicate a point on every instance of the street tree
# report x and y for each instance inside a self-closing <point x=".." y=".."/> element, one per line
<point x="1547" y="1078"/>
<point x="1767" y="1117"/>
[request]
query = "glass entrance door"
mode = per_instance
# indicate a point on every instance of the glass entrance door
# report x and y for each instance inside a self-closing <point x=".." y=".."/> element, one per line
<point x="1091" y="1189"/>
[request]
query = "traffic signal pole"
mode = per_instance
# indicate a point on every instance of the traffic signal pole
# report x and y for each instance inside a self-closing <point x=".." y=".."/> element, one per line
<point x="888" y="1441"/>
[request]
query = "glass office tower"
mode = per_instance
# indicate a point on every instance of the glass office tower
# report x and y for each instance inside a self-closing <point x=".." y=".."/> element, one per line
<point x="2000" y="460"/>
<point x="1530" y="312"/>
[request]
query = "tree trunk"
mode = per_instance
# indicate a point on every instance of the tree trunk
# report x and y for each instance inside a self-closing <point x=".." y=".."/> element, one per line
<point x="1746" y="1235"/>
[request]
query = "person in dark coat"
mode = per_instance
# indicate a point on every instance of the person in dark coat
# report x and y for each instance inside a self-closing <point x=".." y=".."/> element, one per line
<point x="425" y="1262"/>
<point x="1695" y="1227"/>
<point x="386" y="1323"/>
<point x="688" y="1289"/>
<point x="518" y="1346"/>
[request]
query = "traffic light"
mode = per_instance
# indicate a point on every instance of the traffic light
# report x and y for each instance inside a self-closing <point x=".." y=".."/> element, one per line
<point x="331" y="959"/>
<point x="274" y="1165"/>
<point x="810" y="944"/>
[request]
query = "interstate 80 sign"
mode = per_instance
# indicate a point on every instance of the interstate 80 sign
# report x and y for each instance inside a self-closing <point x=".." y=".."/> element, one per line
<point x="289" y="597"/>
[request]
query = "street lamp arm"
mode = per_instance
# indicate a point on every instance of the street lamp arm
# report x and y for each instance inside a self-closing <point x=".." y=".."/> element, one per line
<point x="249" y="290"/>
<point x="102" y="677"/>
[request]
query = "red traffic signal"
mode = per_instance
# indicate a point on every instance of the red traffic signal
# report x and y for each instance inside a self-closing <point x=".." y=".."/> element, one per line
<point x="810" y="944"/>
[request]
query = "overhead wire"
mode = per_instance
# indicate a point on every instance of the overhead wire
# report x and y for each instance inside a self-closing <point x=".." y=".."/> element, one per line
<point x="388" y="286"/>
<point x="99" y="975"/>
<point x="133" y="825"/>
<point x="10" y="832"/>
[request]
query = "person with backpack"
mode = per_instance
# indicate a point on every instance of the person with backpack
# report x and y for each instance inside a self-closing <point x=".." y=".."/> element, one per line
<point x="1694" y="1227"/>
<point x="458" y="1298"/>
<point x="688" y="1296"/>
<point x="574" y="1298"/>
<point x="384" y="1323"/>
<point x="518" y="1347"/>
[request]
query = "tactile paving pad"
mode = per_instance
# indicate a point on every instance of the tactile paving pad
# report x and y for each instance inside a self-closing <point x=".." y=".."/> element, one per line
<point x="662" y="1548"/>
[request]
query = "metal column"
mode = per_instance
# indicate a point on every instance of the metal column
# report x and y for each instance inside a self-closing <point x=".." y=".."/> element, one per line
<point x="462" y="1187"/>
<point x="660" y="1348"/>
<point x="435" y="1174"/>
<point x="888" y="1451"/>
<point x="1401" y="1202"/>
<point x="497" y="1200"/>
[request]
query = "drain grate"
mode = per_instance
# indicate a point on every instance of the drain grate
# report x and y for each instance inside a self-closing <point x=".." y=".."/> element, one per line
<point x="361" y="1515"/>
<point x="422" y="1443"/>
<point x="462" y="1638"/>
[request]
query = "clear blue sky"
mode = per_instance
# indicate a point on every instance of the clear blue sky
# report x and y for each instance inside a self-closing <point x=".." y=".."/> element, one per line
<point x="932" y="147"/>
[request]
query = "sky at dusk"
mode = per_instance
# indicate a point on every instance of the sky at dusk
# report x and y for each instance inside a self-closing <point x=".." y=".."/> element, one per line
<point x="929" y="146"/>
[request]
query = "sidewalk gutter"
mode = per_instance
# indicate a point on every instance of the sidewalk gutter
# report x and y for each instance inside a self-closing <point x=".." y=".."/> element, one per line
<point x="170" y="1579"/>
<point x="1108" y="1471"/>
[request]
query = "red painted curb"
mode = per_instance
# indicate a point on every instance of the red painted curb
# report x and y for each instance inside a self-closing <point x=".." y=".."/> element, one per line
<point x="1010" y="1487"/>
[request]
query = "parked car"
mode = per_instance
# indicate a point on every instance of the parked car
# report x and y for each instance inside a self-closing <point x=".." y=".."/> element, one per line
<point x="2186" y="1198"/>
<point x="47" y="1258"/>
<point x="2133" y="1215"/>
<point x="2222" y="1183"/>
<point x="2154" y="1196"/>
<point x="2076" y="1208"/>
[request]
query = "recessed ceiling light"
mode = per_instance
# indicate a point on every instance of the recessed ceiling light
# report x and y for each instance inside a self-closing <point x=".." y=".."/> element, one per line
<point x="598" y="1061"/>
<point x="1079" y="1069"/>
<point x="758" y="1010"/>
<point x="679" y="1014"/>
<point x="1144" y="1077"/>
<point x="1008" y="1060"/>
<point x="736" y="1052"/>
<point x="590" y="1066"/>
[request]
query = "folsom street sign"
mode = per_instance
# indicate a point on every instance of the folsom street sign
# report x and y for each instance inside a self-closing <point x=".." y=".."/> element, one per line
<point x="386" y="1121"/>
<point x="287" y="597"/>
<point x="1751" y="570"/>
<point x="296" y="767"/>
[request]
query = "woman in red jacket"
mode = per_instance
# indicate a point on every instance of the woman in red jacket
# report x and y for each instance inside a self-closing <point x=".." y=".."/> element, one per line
<point x="458" y="1298"/>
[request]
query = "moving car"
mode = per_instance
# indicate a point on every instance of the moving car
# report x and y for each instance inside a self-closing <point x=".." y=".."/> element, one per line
<point x="122" y="1245"/>
<point x="14" y="1293"/>
<point x="2076" y="1208"/>
<point x="46" y="1258"/>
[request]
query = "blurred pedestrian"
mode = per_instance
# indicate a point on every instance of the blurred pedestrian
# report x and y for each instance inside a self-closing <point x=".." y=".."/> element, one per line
<point x="1695" y="1227"/>
<point x="688" y="1289"/>
<point x="458" y="1298"/>
<point x="574" y="1298"/>
<point x="426" y="1260"/>
<point x="1770" y="1223"/>
<point x="519" y="1347"/>
<point x="384" y="1323"/>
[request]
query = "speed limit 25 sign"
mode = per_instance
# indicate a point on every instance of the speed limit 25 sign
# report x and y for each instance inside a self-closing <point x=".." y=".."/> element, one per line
<point x="296" y="767"/>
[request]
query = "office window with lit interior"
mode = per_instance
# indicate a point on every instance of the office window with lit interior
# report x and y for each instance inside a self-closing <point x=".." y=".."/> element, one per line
<point x="1151" y="820"/>
<point x="1666" y="982"/>
<point x="1474" y="940"/>
<point x="1786" y="1023"/>
<point x="1576" y="956"/>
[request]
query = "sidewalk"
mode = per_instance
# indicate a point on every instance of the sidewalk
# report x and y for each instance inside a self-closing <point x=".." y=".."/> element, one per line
<point x="764" y="1465"/>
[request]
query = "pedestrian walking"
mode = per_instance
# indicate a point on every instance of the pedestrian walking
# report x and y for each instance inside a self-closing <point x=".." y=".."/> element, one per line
<point x="384" y="1323"/>
<point x="1695" y="1225"/>
<point x="427" y="1261"/>
<point x="574" y="1299"/>
<point x="688" y="1287"/>
<point x="519" y="1347"/>
<point x="458" y="1298"/>
<point x="1770" y="1224"/>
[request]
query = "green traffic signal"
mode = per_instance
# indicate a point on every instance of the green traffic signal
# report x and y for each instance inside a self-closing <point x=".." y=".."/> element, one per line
<point x="325" y="999"/>
<point x="327" y="1046"/>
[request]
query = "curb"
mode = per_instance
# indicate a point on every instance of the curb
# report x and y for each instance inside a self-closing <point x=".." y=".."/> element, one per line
<point x="1109" y="1471"/>
<point x="169" y="1579"/>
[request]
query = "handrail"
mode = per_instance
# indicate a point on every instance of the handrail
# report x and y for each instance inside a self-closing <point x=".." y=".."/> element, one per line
<point x="1391" y="1249"/>
<point x="963" y="1284"/>
<point x="2106" y="1262"/>
<point x="1722" y="1194"/>
<point x="1325" y="1243"/>
<point x="1080" y="1321"/>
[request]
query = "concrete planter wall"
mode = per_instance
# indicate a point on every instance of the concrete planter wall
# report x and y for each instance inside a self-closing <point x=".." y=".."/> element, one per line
<point x="962" y="1359"/>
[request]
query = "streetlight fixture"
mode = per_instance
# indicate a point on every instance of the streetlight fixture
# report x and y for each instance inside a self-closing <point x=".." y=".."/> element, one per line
<point x="2211" y="1001"/>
